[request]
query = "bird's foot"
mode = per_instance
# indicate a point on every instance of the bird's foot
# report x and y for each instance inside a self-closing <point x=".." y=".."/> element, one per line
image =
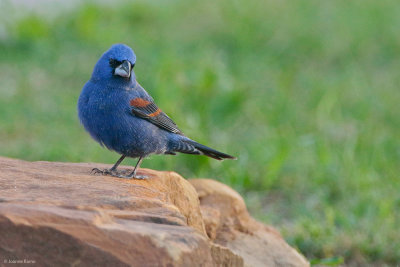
<point x="122" y="174"/>
<point x="105" y="172"/>
<point x="132" y="176"/>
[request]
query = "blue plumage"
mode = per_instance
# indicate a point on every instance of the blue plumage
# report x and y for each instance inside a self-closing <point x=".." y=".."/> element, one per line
<point x="120" y="115"/>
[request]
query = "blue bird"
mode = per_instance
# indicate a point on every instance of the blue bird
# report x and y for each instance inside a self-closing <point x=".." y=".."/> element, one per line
<point x="120" y="115"/>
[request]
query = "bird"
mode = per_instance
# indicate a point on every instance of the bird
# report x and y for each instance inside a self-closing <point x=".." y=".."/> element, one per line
<point x="120" y="115"/>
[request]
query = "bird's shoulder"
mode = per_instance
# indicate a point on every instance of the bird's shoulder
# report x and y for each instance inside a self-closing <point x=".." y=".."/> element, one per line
<point x="137" y="91"/>
<point x="143" y="106"/>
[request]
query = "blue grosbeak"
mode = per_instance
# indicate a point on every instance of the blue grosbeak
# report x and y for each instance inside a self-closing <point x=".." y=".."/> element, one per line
<point x="120" y="115"/>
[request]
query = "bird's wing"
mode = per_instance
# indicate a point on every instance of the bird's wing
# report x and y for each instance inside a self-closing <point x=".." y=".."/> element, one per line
<point x="147" y="109"/>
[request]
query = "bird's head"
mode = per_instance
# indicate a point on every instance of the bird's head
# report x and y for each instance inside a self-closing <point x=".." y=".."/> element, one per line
<point x="116" y="63"/>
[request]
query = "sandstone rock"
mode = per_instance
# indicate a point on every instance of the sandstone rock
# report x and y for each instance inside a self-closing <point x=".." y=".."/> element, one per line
<point x="229" y="224"/>
<point x="58" y="214"/>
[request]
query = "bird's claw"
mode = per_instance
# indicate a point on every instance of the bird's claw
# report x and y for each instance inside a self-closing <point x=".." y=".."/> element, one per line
<point x="118" y="174"/>
<point x="104" y="172"/>
<point x="96" y="171"/>
<point x="139" y="177"/>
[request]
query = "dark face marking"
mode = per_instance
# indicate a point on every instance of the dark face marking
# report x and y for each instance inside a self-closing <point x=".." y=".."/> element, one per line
<point x="114" y="63"/>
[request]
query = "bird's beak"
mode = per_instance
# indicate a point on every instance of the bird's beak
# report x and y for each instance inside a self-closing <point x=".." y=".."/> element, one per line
<point x="123" y="70"/>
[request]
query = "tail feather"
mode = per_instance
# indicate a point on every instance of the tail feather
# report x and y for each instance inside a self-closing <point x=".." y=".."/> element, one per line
<point x="207" y="151"/>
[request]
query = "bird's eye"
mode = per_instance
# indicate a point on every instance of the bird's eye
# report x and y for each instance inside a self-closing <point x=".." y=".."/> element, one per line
<point x="114" y="63"/>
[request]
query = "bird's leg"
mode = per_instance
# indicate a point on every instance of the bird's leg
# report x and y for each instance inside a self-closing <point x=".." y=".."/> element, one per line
<point x="113" y="170"/>
<point x="133" y="173"/>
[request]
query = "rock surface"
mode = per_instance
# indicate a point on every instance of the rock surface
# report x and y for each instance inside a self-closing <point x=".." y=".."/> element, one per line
<point x="58" y="214"/>
<point x="229" y="224"/>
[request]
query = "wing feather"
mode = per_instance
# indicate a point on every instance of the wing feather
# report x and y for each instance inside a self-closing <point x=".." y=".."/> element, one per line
<point x="148" y="110"/>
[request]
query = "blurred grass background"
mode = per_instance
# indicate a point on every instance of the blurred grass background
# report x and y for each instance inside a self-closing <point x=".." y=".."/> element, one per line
<point x="305" y="93"/>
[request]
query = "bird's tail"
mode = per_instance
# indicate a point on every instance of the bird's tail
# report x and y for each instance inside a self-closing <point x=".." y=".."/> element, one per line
<point x="196" y="148"/>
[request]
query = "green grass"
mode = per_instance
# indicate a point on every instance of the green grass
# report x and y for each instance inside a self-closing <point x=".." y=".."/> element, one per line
<point x="305" y="93"/>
